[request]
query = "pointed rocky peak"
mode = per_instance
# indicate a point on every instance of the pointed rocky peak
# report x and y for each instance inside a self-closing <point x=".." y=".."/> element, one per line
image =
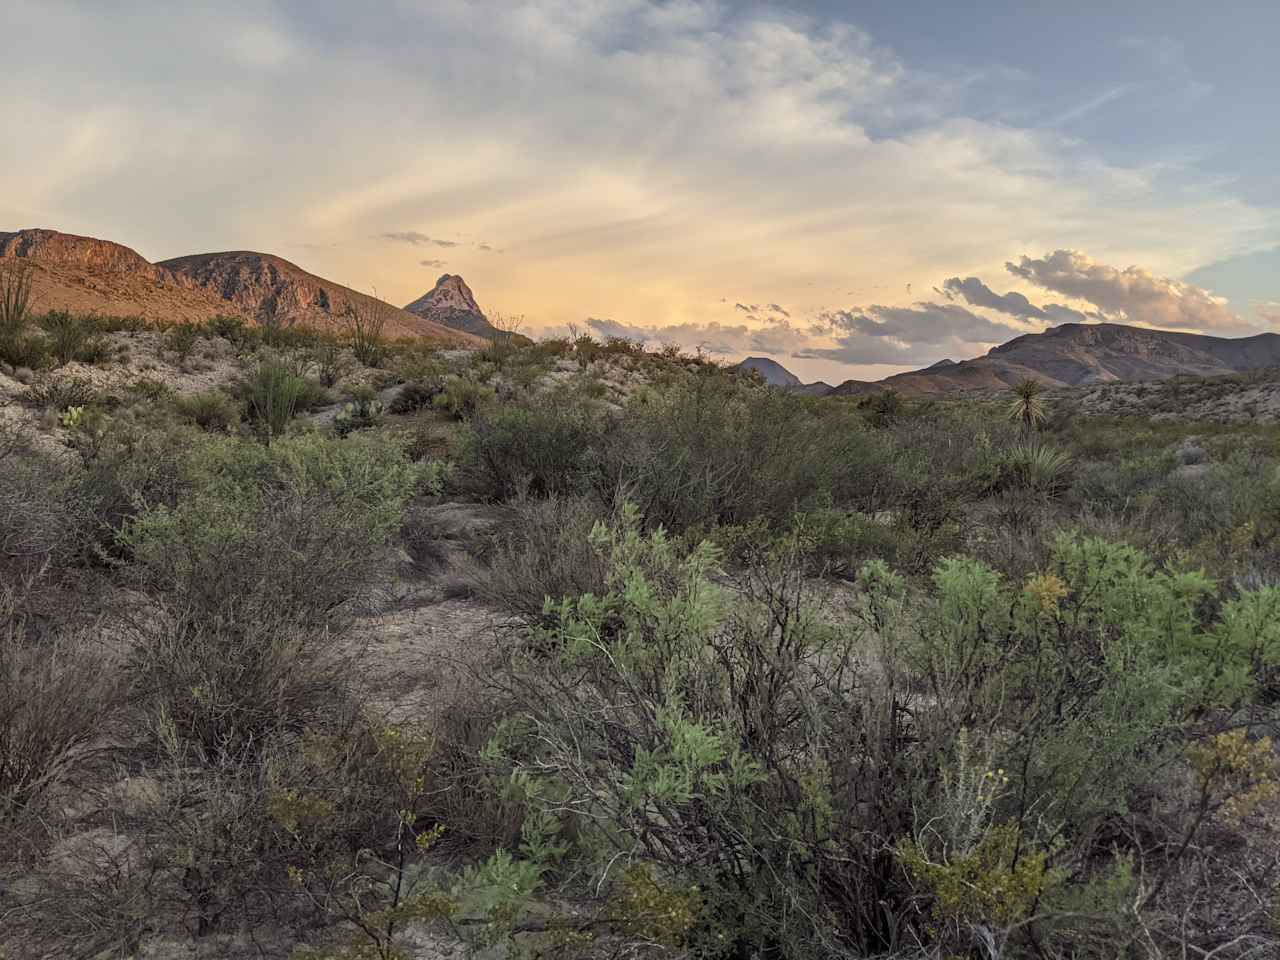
<point x="451" y="302"/>
<point x="450" y="292"/>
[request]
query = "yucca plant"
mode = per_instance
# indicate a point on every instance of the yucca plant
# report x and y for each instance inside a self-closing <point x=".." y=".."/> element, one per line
<point x="1028" y="406"/>
<point x="1036" y="467"/>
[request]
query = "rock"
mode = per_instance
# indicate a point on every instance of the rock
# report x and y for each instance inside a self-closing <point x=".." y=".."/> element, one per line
<point x="24" y="375"/>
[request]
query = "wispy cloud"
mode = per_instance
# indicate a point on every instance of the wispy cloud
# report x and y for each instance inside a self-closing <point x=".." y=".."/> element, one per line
<point x="416" y="239"/>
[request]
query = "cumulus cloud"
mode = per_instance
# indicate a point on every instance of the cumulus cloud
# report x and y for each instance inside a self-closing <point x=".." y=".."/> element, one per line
<point x="973" y="291"/>
<point x="1131" y="295"/>
<point x="917" y="334"/>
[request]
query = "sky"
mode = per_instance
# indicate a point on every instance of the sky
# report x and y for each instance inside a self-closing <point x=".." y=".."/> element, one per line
<point x="854" y="189"/>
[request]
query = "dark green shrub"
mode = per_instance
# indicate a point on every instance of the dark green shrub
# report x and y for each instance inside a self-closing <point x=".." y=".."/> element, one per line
<point x="715" y="450"/>
<point x="232" y="329"/>
<point x="462" y="397"/>
<point x="181" y="340"/>
<point x="66" y="333"/>
<point x="273" y="397"/>
<point x="213" y="411"/>
<point x="415" y="395"/>
<point x="546" y="447"/>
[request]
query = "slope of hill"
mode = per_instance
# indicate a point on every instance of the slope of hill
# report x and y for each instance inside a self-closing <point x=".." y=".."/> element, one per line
<point x="1076" y="354"/>
<point x="451" y="303"/>
<point x="259" y="283"/>
<point x="772" y="372"/>
<point x="85" y="275"/>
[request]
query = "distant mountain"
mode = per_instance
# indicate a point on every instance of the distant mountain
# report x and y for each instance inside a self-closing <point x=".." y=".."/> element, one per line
<point x="450" y="302"/>
<point x="776" y="375"/>
<point x="262" y="285"/>
<point x="88" y="275"/>
<point x="772" y="372"/>
<point x="1076" y="354"/>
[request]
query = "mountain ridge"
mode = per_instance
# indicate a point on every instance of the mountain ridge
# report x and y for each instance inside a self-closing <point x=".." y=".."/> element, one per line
<point x="1082" y="354"/>
<point x="91" y="275"/>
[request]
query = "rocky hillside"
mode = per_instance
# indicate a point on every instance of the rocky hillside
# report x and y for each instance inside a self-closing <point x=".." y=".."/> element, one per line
<point x="1075" y="354"/>
<point x="85" y="275"/>
<point x="451" y="303"/>
<point x="88" y="275"/>
<point x="261" y="285"/>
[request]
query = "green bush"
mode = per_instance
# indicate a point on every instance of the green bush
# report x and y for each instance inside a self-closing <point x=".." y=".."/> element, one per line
<point x="414" y="396"/>
<point x="181" y="340"/>
<point x="213" y="411"/>
<point x="273" y="396"/>
<point x="715" y="450"/>
<point x="738" y="743"/>
<point x="542" y="448"/>
<point x="462" y="397"/>
<point x="67" y="335"/>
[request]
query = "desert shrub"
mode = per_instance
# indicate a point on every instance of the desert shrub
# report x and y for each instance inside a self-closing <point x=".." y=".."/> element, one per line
<point x="287" y="529"/>
<point x="59" y="393"/>
<point x="713" y="450"/>
<point x="461" y="397"/>
<point x="365" y="410"/>
<point x="57" y="693"/>
<point x="67" y="335"/>
<point x="213" y="411"/>
<point x="543" y="554"/>
<point x="882" y="408"/>
<point x="330" y="359"/>
<point x="24" y="350"/>
<point x="414" y="396"/>
<point x="232" y="329"/>
<point x="181" y="340"/>
<point x="544" y="447"/>
<point x="45" y="518"/>
<point x="819" y="804"/>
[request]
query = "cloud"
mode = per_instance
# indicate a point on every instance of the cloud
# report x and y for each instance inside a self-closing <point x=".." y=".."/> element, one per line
<point x="1267" y="313"/>
<point x="922" y="333"/>
<point x="639" y="156"/>
<point x="712" y="337"/>
<point x="414" y="238"/>
<point x="434" y="264"/>
<point x="1132" y="295"/>
<point x="976" y="293"/>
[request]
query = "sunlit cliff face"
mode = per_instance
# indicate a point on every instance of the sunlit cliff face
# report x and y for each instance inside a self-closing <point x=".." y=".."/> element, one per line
<point x="784" y="180"/>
